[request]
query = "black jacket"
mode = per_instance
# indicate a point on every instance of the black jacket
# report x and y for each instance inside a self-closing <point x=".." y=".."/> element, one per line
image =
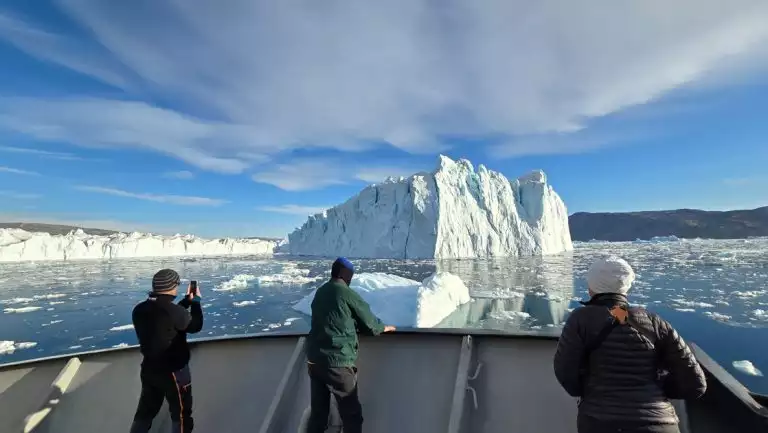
<point x="162" y="327"/>
<point x="620" y="380"/>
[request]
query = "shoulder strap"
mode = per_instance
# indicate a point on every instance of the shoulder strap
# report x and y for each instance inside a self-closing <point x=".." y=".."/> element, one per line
<point x="602" y="335"/>
<point x="619" y="315"/>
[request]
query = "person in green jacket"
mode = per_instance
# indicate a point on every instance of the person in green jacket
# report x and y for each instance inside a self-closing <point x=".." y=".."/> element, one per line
<point x="338" y="312"/>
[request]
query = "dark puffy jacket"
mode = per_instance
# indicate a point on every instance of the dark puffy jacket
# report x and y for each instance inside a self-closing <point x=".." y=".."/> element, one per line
<point x="338" y="312"/>
<point x="162" y="327"/>
<point x="620" y="380"/>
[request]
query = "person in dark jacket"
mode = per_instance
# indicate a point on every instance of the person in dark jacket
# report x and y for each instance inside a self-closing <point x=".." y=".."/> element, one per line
<point x="624" y="363"/>
<point x="338" y="312"/>
<point x="162" y="327"/>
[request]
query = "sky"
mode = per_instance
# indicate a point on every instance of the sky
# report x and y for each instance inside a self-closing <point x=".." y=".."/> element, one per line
<point x="241" y="118"/>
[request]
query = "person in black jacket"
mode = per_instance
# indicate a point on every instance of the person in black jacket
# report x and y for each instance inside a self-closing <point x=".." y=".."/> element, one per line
<point x="624" y="363"/>
<point x="162" y="327"/>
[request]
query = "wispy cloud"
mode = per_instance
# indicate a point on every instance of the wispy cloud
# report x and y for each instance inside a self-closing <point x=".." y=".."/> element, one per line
<point x="293" y="209"/>
<point x="41" y="153"/>
<point x="19" y="195"/>
<point x="378" y="174"/>
<point x="269" y="78"/>
<point x="18" y="171"/>
<point x="181" y="175"/>
<point x="303" y="174"/>
<point x="90" y="59"/>
<point x="171" y="199"/>
<point x="582" y="141"/>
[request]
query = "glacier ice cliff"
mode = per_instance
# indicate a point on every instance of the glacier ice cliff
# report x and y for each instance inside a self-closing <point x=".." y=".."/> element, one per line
<point x="20" y="245"/>
<point x="453" y="212"/>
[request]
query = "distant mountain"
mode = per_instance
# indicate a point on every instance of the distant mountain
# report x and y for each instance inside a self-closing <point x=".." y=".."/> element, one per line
<point x="54" y="229"/>
<point x="683" y="223"/>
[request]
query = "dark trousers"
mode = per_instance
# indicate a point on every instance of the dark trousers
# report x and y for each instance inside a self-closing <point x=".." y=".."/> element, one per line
<point x="176" y="389"/>
<point x="588" y="424"/>
<point x="341" y="382"/>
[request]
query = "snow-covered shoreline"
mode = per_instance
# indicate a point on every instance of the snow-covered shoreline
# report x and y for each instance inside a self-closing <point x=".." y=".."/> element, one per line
<point x="17" y="245"/>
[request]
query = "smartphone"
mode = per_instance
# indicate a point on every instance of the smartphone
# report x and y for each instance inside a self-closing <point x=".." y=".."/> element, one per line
<point x="193" y="287"/>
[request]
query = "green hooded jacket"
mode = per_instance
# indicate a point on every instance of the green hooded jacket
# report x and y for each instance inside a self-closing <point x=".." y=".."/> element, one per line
<point x="338" y="312"/>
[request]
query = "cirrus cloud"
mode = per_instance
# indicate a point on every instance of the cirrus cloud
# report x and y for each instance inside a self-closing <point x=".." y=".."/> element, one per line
<point x="294" y="209"/>
<point x="255" y="79"/>
<point x="159" y="198"/>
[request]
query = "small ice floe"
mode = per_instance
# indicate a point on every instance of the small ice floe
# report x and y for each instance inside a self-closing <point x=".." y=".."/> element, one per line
<point x="747" y="367"/>
<point x="121" y="328"/>
<point x="52" y="322"/>
<point x="238" y="282"/>
<point x="749" y="294"/>
<point x="693" y="304"/>
<point x="7" y="347"/>
<point x="243" y="303"/>
<point x="117" y="346"/>
<point x="21" y="310"/>
<point x="16" y="301"/>
<point x="289" y="321"/>
<point x="718" y="316"/>
<point x="510" y="315"/>
<point x="685" y="310"/>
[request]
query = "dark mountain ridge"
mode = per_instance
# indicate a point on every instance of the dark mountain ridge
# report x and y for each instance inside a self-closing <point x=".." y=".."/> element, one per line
<point x="683" y="223"/>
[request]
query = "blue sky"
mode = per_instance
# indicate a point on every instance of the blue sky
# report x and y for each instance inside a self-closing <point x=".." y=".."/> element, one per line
<point x="241" y="118"/>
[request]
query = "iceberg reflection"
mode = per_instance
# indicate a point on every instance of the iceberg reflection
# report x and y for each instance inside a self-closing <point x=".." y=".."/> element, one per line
<point x="531" y="295"/>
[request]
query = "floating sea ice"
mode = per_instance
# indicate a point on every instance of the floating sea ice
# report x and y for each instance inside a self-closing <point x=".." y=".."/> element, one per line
<point x="120" y="345"/>
<point x="403" y="302"/>
<point x="121" y="328"/>
<point x="686" y="310"/>
<point x="243" y="303"/>
<point x="718" y="316"/>
<point x="238" y="282"/>
<point x="21" y="309"/>
<point x="510" y="315"/>
<point x="52" y="322"/>
<point x="749" y="294"/>
<point x="695" y="304"/>
<point x="7" y="347"/>
<point x="16" y="301"/>
<point x="747" y="367"/>
<point x="289" y="321"/>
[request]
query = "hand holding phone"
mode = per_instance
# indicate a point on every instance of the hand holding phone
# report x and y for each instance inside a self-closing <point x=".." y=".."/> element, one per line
<point x="192" y="289"/>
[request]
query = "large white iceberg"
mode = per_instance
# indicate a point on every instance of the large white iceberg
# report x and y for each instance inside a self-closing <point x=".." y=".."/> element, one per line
<point x="20" y="245"/>
<point x="402" y="302"/>
<point x="452" y="212"/>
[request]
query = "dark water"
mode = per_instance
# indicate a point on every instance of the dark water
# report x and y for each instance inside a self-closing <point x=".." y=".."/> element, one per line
<point x="713" y="292"/>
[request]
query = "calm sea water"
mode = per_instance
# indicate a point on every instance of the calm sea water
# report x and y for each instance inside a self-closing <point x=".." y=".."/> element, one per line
<point x="714" y="292"/>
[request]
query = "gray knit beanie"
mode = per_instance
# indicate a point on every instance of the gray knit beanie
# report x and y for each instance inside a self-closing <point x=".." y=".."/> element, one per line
<point x="165" y="280"/>
<point x="610" y="275"/>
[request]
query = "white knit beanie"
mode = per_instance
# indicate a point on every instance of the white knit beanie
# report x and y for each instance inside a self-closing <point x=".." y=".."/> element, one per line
<point x="610" y="275"/>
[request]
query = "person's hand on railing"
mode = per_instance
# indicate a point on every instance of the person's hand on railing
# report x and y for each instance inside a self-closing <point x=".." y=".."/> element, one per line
<point x="389" y="328"/>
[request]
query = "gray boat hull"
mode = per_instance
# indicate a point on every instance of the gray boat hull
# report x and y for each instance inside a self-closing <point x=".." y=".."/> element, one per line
<point x="418" y="381"/>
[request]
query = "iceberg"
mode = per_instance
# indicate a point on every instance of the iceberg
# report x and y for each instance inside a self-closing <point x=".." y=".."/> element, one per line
<point x="403" y="302"/>
<point x="20" y="245"/>
<point x="452" y="212"/>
